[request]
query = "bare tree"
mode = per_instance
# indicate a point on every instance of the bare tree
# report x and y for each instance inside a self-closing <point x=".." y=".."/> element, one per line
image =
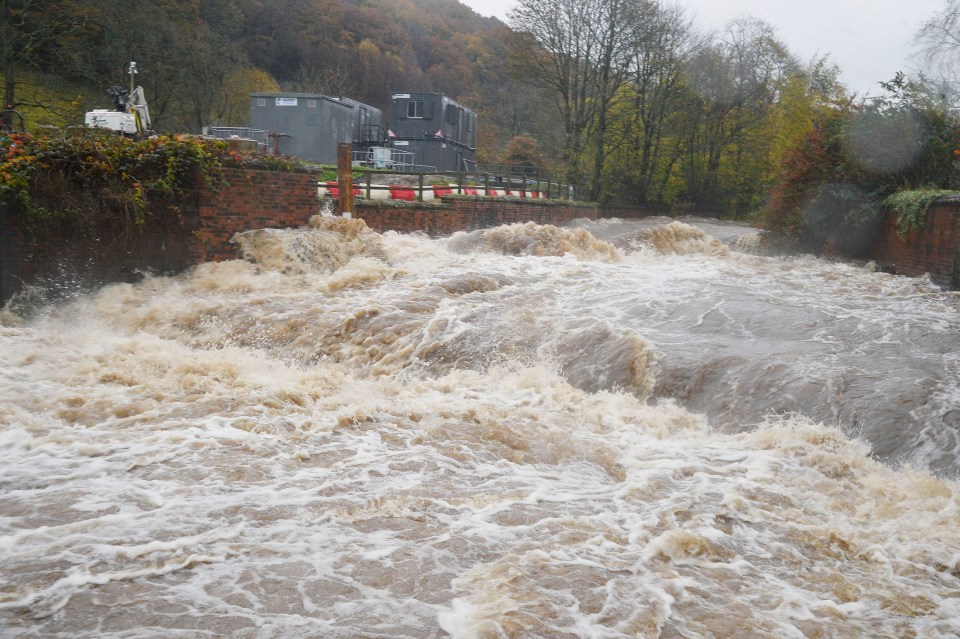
<point x="579" y="50"/>
<point x="737" y="79"/>
<point x="938" y="42"/>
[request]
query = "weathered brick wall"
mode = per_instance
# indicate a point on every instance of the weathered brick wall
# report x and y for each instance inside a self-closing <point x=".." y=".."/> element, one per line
<point x="13" y="252"/>
<point x="64" y="256"/>
<point x="466" y="214"/>
<point x="932" y="249"/>
<point x="246" y="199"/>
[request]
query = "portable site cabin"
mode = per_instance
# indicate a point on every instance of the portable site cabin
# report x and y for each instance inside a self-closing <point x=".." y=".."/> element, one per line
<point x="309" y="126"/>
<point x="440" y="132"/>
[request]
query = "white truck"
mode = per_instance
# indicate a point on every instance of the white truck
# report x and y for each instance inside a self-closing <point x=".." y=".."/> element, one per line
<point x="131" y="116"/>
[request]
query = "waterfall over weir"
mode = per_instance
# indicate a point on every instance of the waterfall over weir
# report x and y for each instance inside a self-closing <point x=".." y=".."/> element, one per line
<point x="615" y="429"/>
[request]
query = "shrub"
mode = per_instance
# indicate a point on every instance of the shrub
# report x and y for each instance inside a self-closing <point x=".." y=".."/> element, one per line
<point x="911" y="207"/>
<point x="85" y="173"/>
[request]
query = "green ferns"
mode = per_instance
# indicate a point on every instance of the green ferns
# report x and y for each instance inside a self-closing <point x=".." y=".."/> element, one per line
<point x="911" y="207"/>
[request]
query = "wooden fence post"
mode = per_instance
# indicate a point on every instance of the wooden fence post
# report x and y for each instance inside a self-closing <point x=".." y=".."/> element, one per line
<point x="345" y="179"/>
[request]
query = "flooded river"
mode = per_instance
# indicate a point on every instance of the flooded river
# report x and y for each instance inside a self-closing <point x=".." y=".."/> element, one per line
<point x="616" y="429"/>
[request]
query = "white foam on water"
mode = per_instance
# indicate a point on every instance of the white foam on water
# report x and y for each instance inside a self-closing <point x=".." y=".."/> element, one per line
<point x="421" y="442"/>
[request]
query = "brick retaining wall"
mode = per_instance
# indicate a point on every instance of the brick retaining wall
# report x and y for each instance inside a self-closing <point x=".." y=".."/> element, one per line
<point x="934" y="249"/>
<point x="60" y="255"/>
<point x="64" y="257"/>
<point x="467" y="214"/>
<point x="246" y="199"/>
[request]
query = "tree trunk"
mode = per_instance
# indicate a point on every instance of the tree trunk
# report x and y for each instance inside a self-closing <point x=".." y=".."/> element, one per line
<point x="6" y="50"/>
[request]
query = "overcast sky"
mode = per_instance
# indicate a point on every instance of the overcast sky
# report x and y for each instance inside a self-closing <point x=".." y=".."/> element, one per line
<point x="870" y="40"/>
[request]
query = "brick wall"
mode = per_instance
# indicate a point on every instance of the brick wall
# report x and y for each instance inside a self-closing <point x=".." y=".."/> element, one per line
<point x="466" y="214"/>
<point x="932" y="249"/>
<point x="246" y="199"/>
<point x="64" y="257"/>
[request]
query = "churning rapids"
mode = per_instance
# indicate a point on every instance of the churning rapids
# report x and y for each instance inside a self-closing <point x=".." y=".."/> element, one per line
<point x="615" y="429"/>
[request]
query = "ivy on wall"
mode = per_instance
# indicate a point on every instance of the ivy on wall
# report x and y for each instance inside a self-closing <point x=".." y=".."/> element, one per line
<point x="84" y="174"/>
<point x="911" y="207"/>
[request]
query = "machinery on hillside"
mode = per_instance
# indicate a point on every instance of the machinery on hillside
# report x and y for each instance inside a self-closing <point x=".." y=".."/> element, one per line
<point x="130" y="115"/>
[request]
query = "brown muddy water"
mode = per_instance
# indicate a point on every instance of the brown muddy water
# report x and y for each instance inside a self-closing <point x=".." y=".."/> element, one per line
<point x="616" y="429"/>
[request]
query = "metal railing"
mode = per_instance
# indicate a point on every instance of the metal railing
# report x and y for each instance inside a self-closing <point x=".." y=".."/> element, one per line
<point x="381" y="157"/>
<point x="421" y="186"/>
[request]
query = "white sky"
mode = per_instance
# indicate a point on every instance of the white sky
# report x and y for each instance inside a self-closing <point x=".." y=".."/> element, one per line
<point x="870" y="40"/>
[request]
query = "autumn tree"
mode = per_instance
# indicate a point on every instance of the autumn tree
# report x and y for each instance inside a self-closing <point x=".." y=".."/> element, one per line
<point x="578" y="49"/>
<point x="653" y="112"/>
<point x="30" y="34"/>
<point x="523" y="150"/>
<point x="737" y="80"/>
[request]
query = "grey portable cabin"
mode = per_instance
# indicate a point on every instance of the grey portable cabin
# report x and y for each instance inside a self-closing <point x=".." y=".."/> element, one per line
<point x="440" y="132"/>
<point x="309" y="126"/>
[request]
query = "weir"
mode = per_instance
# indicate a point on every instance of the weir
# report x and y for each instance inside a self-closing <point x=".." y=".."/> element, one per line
<point x="59" y="254"/>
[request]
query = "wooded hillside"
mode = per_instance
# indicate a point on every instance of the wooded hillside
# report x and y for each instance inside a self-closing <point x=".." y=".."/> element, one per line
<point x="199" y="59"/>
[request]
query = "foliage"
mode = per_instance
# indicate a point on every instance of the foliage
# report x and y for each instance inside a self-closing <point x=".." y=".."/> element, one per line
<point x="911" y="207"/>
<point x="16" y="169"/>
<point x="84" y="173"/>
<point x="899" y="151"/>
<point x="199" y="60"/>
<point x="523" y="150"/>
<point x="626" y="99"/>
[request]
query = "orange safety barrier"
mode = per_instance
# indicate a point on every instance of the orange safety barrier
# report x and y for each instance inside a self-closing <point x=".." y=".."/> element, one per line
<point x="334" y="189"/>
<point x="470" y="191"/>
<point x="440" y="191"/>
<point x="398" y="192"/>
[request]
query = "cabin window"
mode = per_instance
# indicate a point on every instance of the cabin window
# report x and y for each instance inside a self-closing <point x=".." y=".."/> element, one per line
<point x="261" y="102"/>
<point x="451" y="114"/>
<point x="415" y="109"/>
<point x="311" y="104"/>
